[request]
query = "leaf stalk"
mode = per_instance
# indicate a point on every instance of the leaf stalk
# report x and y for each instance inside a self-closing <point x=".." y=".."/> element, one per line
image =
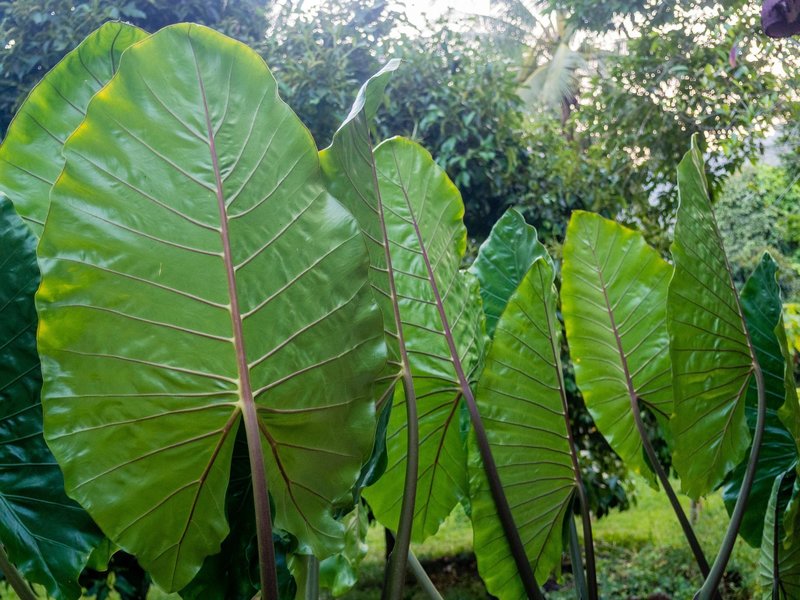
<point x="14" y="577"/>
<point x="718" y="568"/>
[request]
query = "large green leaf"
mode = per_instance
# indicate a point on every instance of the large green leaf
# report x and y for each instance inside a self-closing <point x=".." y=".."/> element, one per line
<point x="522" y="402"/>
<point x="761" y="304"/>
<point x="193" y="264"/>
<point x="786" y="577"/>
<point x="424" y="211"/>
<point x="31" y="155"/>
<point x="613" y="295"/>
<point x="46" y="534"/>
<point x="348" y="169"/>
<point x="503" y="260"/>
<point x="711" y="357"/>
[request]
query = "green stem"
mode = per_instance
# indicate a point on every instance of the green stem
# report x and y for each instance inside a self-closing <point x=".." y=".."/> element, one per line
<point x="422" y="578"/>
<point x="312" y="578"/>
<point x="14" y="578"/>
<point x="688" y="532"/>
<point x="577" y="563"/>
<point x="710" y="585"/>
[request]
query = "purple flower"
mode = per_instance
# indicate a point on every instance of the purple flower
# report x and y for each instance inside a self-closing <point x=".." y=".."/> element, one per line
<point x="780" y="18"/>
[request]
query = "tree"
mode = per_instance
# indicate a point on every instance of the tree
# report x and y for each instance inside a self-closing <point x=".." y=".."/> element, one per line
<point x="36" y="34"/>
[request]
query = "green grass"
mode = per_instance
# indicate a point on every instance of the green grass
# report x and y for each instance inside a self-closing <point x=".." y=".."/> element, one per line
<point x="640" y="552"/>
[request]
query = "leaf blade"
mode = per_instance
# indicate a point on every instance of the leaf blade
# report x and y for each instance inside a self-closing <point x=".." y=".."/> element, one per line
<point x="31" y="154"/>
<point x="614" y="289"/>
<point x="520" y="397"/>
<point x="707" y="331"/>
<point x="150" y="237"/>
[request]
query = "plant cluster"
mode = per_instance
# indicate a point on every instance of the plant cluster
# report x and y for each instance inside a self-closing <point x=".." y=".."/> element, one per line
<point x="224" y="347"/>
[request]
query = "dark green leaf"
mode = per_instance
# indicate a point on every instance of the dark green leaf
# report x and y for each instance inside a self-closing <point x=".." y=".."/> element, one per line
<point x="786" y="580"/>
<point x="503" y="260"/>
<point x="47" y="535"/>
<point x="761" y="303"/>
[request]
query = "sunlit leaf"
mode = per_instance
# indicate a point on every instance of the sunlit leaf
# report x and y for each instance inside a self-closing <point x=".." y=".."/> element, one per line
<point x="193" y="263"/>
<point x="420" y="203"/>
<point x="522" y="401"/>
<point x="711" y="357"/>
<point x="613" y="294"/>
<point x="31" y="154"/>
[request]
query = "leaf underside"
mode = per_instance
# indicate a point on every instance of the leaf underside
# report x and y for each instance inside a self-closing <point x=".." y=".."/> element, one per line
<point x="31" y="154"/>
<point x="190" y="190"/>
<point x="348" y="169"/>
<point x="710" y="352"/>
<point x="424" y="215"/>
<point x="520" y="400"/>
<point x="613" y="295"/>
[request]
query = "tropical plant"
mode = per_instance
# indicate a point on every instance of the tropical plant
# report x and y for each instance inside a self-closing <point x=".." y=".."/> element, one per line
<point x="225" y="313"/>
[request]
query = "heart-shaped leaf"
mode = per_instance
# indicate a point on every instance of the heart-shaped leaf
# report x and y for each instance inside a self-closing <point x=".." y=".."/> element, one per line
<point x="613" y="294"/>
<point x="522" y="400"/>
<point x="30" y="156"/>
<point x="711" y="357"/>
<point x="195" y="269"/>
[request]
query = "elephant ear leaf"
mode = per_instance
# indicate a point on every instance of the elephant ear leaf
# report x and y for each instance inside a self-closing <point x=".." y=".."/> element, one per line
<point x="779" y="562"/>
<point x="503" y="260"/>
<point x="423" y="216"/>
<point x="47" y="535"/>
<point x="712" y="360"/>
<point x="522" y="401"/>
<point x="761" y="303"/>
<point x="613" y="294"/>
<point x="348" y="169"/>
<point x="31" y="154"/>
<point x="196" y="274"/>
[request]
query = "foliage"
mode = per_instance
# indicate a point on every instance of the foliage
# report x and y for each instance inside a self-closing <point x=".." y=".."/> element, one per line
<point x="36" y="34"/>
<point x="759" y="211"/>
<point x="169" y="396"/>
<point x="321" y="57"/>
<point x="456" y="95"/>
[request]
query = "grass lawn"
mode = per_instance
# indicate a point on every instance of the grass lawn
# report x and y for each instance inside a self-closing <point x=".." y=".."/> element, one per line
<point x="640" y="553"/>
